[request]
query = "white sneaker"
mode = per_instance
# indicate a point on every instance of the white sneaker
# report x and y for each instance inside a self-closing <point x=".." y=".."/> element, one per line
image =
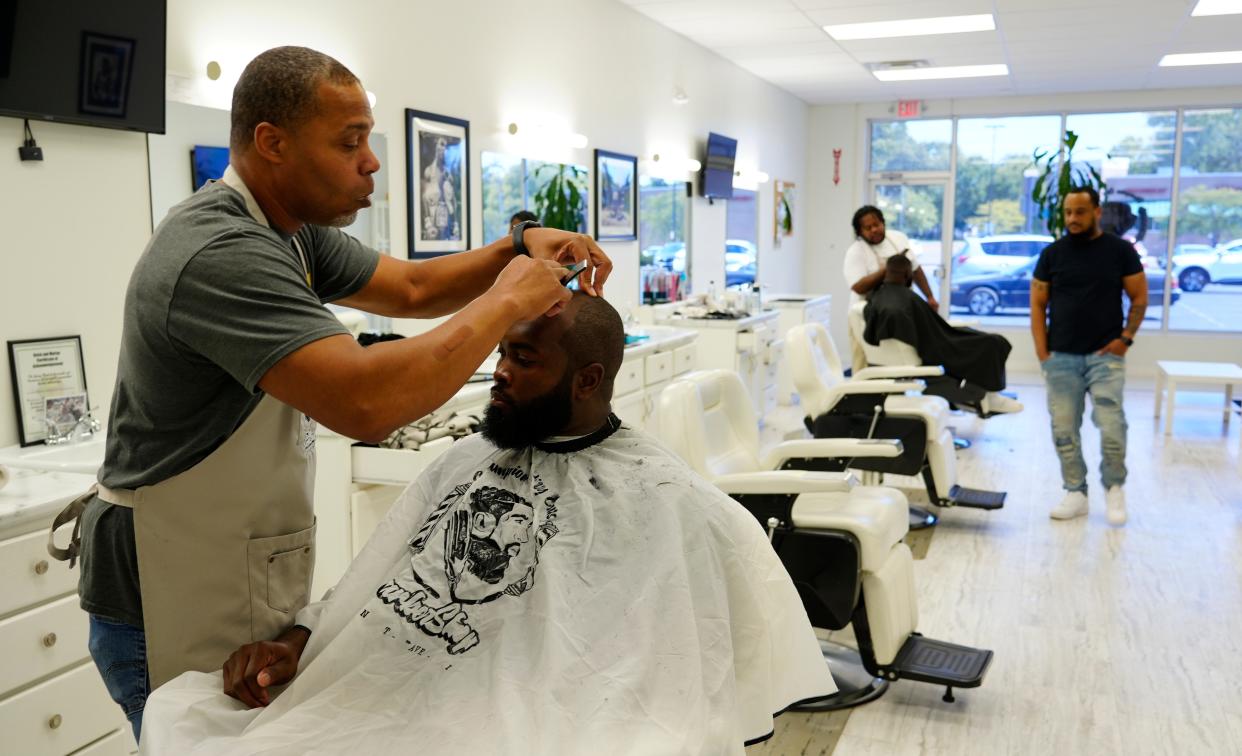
<point x="995" y="403"/>
<point x="1073" y="505"/>
<point x="1115" y="500"/>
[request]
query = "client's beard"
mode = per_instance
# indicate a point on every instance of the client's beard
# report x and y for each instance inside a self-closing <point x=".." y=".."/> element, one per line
<point x="521" y="425"/>
<point x="1079" y="236"/>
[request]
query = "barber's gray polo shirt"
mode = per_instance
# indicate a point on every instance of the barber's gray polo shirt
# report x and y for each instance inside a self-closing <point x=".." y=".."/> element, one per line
<point x="215" y="301"/>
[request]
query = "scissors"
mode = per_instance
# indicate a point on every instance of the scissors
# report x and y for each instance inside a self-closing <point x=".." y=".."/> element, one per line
<point x="575" y="270"/>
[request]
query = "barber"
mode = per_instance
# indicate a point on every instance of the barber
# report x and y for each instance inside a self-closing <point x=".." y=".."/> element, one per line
<point x="863" y="267"/>
<point x="199" y="536"/>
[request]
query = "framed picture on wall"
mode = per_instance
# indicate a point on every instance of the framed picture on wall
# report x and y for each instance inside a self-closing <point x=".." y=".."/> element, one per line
<point x="616" y="196"/>
<point x="43" y="369"/>
<point x="437" y="176"/>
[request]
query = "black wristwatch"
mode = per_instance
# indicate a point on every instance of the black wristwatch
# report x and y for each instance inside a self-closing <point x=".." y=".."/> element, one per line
<point x="1129" y="342"/>
<point x="519" y="246"/>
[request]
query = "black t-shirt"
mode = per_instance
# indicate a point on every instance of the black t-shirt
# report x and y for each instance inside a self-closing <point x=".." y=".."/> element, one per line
<point x="1085" y="289"/>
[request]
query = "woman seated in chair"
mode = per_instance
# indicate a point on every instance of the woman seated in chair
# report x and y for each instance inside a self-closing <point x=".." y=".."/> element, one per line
<point x="894" y="311"/>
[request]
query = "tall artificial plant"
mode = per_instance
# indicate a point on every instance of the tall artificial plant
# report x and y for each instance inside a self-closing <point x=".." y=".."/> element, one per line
<point x="561" y="203"/>
<point x="1057" y="176"/>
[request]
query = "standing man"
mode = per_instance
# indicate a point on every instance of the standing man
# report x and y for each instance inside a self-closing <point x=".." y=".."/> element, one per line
<point x="864" y="265"/>
<point x="199" y="535"/>
<point x="1081" y="344"/>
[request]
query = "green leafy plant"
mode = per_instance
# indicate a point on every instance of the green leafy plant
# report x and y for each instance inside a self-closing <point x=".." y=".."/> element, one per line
<point x="561" y="203"/>
<point x="1057" y="176"/>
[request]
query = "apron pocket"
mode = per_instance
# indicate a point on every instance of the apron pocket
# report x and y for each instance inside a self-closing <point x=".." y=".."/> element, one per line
<point x="280" y="579"/>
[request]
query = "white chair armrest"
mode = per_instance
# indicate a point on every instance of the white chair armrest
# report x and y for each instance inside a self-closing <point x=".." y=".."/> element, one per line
<point x="832" y="447"/>
<point x="879" y="387"/>
<point x="785" y="482"/>
<point x="900" y="371"/>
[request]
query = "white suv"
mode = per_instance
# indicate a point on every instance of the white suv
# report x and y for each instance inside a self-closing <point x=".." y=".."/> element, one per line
<point x="997" y="254"/>
<point x="1220" y="265"/>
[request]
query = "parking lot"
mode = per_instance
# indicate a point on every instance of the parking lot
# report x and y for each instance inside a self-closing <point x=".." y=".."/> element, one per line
<point x="1217" y="308"/>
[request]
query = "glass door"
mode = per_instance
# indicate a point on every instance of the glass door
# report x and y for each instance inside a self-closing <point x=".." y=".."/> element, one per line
<point x="917" y="209"/>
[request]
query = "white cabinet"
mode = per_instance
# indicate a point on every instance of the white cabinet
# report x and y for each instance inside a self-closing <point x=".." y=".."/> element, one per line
<point x="796" y="309"/>
<point x="752" y="346"/>
<point x="52" y="699"/>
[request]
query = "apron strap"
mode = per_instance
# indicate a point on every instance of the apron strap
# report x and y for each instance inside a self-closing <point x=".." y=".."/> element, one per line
<point x="73" y="513"/>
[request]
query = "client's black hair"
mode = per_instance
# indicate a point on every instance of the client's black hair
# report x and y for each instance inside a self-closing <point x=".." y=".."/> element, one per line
<point x="597" y="335"/>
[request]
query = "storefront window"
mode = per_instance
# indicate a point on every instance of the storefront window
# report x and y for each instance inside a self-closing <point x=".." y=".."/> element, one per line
<point x="663" y="214"/>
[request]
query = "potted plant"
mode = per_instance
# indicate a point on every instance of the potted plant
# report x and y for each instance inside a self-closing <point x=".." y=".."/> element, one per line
<point x="1057" y="176"/>
<point x="561" y="203"/>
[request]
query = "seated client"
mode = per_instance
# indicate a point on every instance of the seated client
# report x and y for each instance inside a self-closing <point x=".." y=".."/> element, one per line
<point x="559" y="583"/>
<point x="894" y="311"/>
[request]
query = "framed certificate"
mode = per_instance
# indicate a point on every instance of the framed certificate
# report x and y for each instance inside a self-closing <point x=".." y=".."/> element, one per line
<point x="43" y="369"/>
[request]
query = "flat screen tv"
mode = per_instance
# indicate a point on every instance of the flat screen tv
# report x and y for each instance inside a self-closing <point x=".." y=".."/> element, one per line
<point x="84" y="61"/>
<point x="717" y="180"/>
<point x="207" y="163"/>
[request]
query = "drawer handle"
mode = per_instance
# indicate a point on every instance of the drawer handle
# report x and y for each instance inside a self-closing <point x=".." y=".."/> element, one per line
<point x="54" y="722"/>
<point x="40" y="567"/>
<point x="49" y="640"/>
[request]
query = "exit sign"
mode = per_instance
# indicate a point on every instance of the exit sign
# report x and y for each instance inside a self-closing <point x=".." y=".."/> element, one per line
<point x="909" y="108"/>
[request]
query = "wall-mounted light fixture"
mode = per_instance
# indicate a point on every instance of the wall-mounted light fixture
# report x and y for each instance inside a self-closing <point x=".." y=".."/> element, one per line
<point x="544" y="136"/>
<point x="680" y="97"/>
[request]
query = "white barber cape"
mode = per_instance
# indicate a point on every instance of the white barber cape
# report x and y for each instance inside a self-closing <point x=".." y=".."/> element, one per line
<point x="603" y="600"/>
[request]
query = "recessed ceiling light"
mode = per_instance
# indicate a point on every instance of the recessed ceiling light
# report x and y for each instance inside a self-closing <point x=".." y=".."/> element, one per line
<point x="912" y="27"/>
<point x="1217" y="8"/>
<point x="940" y="72"/>
<point x="1202" y="59"/>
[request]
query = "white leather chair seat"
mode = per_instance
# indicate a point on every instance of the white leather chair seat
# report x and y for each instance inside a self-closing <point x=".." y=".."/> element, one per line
<point x="933" y="409"/>
<point x="877" y="516"/>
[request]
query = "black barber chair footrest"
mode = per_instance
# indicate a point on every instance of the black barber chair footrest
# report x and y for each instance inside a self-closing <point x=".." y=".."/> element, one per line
<point x="976" y="498"/>
<point x="940" y="663"/>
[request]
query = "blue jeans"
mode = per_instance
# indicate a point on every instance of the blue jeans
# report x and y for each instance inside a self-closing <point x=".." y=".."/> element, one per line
<point x="1069" y="378"/>
<point x="120" y="654"/>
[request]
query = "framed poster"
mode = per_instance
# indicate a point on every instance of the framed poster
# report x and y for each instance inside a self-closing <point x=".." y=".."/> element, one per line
<point x="43" y="369"/>
<point x="437" y="179"/>
<point x="783" y="218"/>
<point x="616" y="196"/>
<point x="107" y="62"/>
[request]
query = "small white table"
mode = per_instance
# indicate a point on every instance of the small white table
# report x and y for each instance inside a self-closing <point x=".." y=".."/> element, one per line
<point x="1171" y="373"/>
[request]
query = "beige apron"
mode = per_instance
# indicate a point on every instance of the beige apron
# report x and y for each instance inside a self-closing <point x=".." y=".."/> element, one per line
<point x="226" y="548"/>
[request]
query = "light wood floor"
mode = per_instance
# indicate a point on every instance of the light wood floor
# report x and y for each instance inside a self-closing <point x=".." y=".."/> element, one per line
<point x="1107" y="640"/>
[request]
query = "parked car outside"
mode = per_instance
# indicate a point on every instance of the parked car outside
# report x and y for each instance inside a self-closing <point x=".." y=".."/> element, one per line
<point x="984" y="294"/>
<point x="997" y="254"/>
<point x="1196" y="268"/>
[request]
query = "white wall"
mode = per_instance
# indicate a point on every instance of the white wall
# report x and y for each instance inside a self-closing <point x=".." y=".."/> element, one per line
<point x="72" y="226"/>
<point x="595" y="67"/>
<point x="845" y="127"/>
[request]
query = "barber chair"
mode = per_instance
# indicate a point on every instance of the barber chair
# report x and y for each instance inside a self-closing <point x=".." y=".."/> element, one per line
<point x="840" y="542"/>
<point x="895" y="355"/>
<point x="880" y="409"/>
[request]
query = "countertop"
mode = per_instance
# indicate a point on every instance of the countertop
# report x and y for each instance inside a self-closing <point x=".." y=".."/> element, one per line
<point x="32" y="496"/>
<point x="740" y="324"/>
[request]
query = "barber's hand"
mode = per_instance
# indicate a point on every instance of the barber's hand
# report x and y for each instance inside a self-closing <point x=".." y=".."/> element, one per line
<point x="536" y="287"/>
<point x="255" y="667"/>
<point x="566" y="247"/>
<point x="932" y="303"/>
<point x="1116" y="346"/>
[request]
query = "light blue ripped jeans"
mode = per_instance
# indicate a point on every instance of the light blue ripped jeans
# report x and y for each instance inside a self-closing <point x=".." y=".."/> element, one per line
<point x="1069" y="378"/>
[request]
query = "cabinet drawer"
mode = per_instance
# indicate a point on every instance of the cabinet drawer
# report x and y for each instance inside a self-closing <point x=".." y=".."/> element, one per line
<point x="58" y="716"/>
<point x="29" y="575"/>
<point x="630" y="408"/>
<point x="112" y="745"/>
<point x="683" y="359"/>
<point x="39" y="642"/>
<point x="395" y="466"/>
<point x="659" y="367"/>
<point x="629" y="378"/>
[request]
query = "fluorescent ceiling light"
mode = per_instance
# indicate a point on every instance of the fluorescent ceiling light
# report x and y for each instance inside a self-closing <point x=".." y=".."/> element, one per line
<point x="1202" y="59"/>
<point x="940" y="72"/>
<point x="912" y="27"/>
<point x="1217" y="8"/>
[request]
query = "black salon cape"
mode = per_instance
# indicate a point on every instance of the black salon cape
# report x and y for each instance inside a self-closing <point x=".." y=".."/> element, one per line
<point x="896" y="312"/>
